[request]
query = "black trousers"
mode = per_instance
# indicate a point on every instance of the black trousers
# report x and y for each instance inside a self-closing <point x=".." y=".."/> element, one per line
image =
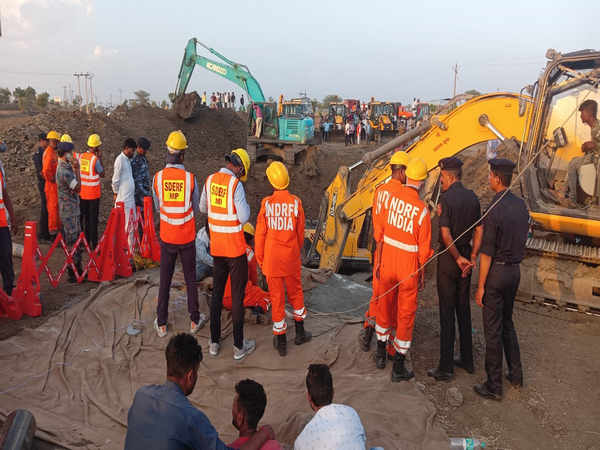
<point x="168" y="258"/>
<point x="454" y="294"/>
<point x="237" y="268"/>
<point x="43" y="232"/>
<point x="90" y="212"/>
<point x="6" y="264"/>
<point x="498" y="326"/>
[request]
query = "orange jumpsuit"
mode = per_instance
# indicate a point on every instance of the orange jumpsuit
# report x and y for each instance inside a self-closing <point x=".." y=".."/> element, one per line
<point x="379" y="212"/>
<point x="406" y="231"/>
<point x="49" y="165"/>
<point x="253" y="296"/>
<point x="279" y="239"/>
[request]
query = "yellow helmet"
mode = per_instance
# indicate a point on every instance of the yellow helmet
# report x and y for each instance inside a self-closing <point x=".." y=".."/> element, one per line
<point x="53" y="135"/>
<point x="177" y="141"/>
<point x="94" y="141"/>
<point x="66" y="138"/>
<point x="400" y="159"/>
<point x="416" y="169"/>
<point x="278" y="175"/>
<point x="249" y="228"/>
<point x="243" y="155"/>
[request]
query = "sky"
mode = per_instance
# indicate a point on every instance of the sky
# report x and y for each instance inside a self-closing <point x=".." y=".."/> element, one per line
<point x="392" y="51"/>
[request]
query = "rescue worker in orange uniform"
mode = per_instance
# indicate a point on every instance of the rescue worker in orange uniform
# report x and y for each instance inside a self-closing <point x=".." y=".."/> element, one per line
<point x="279" y="238"/>
<point x="256" y="301"/>
<point x="50" y="163"/>
<point x="404" y="249"/>
<point x="176" y="198"/>
<point x="224" y="201"/>
<point x="398" y="163"/>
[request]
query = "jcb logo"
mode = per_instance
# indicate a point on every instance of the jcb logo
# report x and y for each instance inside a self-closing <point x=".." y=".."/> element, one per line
<point x="333" y="202"/>
<point x="215" y="68"/>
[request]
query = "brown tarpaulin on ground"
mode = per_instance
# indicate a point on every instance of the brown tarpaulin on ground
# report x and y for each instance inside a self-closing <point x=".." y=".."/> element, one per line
<point x="82" y="402"/>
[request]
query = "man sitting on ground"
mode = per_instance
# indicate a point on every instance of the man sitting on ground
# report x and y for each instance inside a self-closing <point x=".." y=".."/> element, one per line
<point x="334" y="426"/>
<point x="162" y="417"/>
<point x="248" y="408"/>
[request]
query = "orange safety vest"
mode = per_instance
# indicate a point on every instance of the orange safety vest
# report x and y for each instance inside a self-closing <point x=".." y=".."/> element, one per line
<point x="90" y="180"/>
<point x="226" y="232"/>
<point x="174" y="188"/>
<point x="3" y="213"/>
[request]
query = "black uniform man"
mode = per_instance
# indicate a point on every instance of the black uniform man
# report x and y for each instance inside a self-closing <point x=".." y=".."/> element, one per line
<point x="505" y="229"/>
<point x="43" y="232"/>
<point x="458" y="210"/>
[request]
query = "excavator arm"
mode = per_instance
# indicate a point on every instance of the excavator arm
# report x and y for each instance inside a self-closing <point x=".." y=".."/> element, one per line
<point x="232" y="71"/>
<point x="493" y="116"/>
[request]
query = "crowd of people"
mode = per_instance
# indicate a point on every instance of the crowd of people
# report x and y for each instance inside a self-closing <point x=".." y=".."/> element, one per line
<point x="358" y="125"/>
<point x="229" y="249"/>
<point x="220" y="100"/>
<point x="70" y="191"/>
<point x="402" y="232"/>
<point x="161" y="416"/>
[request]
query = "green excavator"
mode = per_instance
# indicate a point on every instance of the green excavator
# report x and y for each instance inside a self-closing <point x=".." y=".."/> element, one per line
<point x="287" y="129"/>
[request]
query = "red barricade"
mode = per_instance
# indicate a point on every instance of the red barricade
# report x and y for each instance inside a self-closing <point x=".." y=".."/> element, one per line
<point x="9" y="308"/>
<point x="150" y="247"/>
<point x="27" y="293"/>
<point x="110" y="258"/>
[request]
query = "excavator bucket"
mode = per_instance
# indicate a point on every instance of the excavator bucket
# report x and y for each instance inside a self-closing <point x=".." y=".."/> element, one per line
<point x="187" y="105"/>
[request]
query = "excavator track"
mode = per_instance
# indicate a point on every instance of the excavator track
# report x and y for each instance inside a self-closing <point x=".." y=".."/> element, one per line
<point x="560" y="280"/>
<point x="581" y="253"/>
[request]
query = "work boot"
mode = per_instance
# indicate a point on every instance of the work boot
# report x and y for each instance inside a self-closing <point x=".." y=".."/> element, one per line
<point x="458" y="363"/>
<point x="302" y="335"/>
<point x="364" y="339"/>
<point x="71" y="276"/>
<point x="280" y="344"/>
<point x="80" y="271"/>
<point x="438" y="375"/>
<point x="399" y="372"/>
<point x="379" y="356"/>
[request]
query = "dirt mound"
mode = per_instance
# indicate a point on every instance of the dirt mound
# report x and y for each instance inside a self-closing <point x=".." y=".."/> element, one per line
<point x="211" y="135"/>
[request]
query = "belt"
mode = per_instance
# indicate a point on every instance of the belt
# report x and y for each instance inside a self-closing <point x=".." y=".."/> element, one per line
<point x="504" y="263"/>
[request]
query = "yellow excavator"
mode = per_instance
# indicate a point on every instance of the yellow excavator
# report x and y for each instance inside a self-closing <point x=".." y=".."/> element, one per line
<point x="542" y="126"/>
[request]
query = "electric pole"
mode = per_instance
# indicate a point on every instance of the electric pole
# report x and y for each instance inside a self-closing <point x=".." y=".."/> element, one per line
<point x="111" y="100"/>
<point x="120" y="100"/>
<point x="455" y="68"/>
<point x="87" y="104"/>
<point x="90" y="76"/>
<point x="65" y="95"/>
<point x="79" y="84"/>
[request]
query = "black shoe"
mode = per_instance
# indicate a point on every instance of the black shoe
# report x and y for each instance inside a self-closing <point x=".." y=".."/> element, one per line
<point x="379" y="355"/>
<point x="509" y="379"/>
<point x="399" y="371"/>
<point x="458" y="363"/>
<point x="71" y="276"/>
<point x="439" y="375"/>
<point x="280" y="344"/>
<point x="365" y="337"/>
<point x="302" y="335"/>
<point x="482" y="389"/>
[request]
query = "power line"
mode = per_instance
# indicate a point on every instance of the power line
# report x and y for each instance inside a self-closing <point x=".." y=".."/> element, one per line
<point x="37" y="73"/>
